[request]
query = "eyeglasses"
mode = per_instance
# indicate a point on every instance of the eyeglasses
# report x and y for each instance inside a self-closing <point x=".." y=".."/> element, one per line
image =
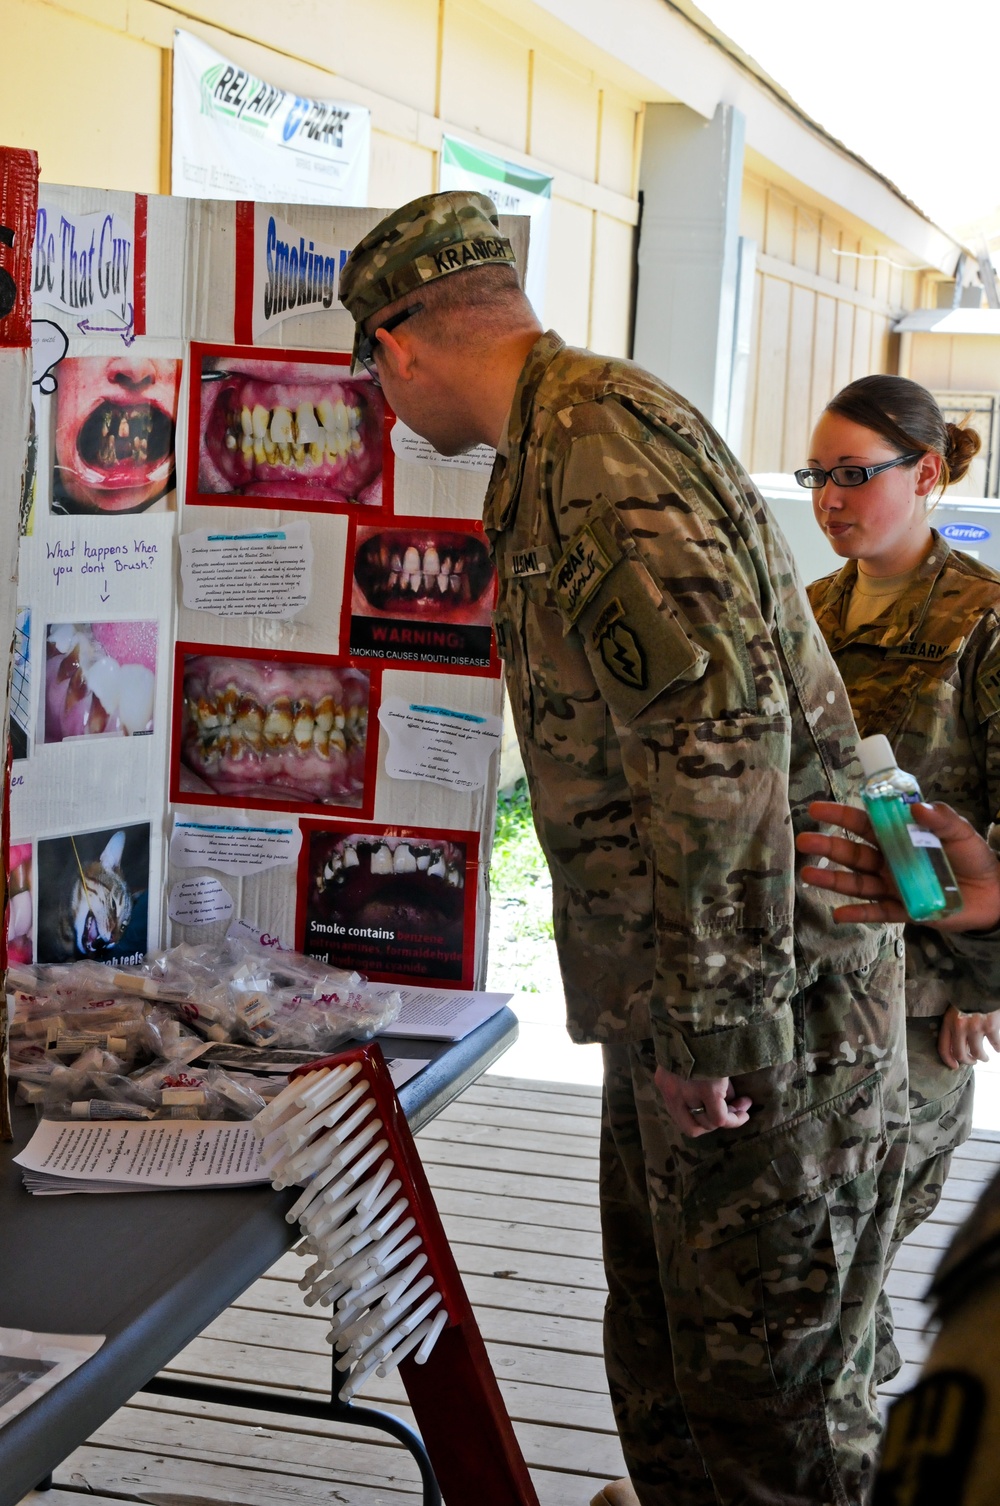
<point x="368" y="344"/>
<point x="813" y="478"/>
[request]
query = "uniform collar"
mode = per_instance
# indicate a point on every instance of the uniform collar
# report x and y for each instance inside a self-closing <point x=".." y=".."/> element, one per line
<point x="505" y="481"/>
<point x="905" y="616"/>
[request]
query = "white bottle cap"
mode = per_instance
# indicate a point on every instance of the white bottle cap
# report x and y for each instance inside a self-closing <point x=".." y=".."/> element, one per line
<point x="876" y="755"/>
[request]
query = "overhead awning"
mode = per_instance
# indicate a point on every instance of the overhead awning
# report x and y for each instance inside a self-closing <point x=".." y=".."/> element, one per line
<point x="949" y="322"/>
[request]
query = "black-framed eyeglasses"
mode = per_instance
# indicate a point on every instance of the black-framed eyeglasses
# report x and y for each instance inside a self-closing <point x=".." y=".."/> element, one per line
<point x="367" y="344"/>
<point x="813" y="478"/>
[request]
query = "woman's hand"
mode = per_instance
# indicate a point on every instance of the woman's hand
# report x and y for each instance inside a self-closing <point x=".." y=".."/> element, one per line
<point x="864" y="873"/>
<point x="962" y="1037"/>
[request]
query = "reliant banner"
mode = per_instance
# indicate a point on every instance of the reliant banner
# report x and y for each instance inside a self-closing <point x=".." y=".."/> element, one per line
<point x="237" y="137"/>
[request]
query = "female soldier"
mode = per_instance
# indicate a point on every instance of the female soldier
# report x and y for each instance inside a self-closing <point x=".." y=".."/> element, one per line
<point x="915" y="630"/>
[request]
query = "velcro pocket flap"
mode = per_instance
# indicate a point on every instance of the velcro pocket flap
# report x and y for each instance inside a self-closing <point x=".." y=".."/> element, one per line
<point x="636" y="640"/>
<point x="752" y="1182"/>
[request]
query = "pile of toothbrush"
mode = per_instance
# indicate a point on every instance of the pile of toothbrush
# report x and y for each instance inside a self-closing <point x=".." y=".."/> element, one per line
<point x="358" y="1212"/>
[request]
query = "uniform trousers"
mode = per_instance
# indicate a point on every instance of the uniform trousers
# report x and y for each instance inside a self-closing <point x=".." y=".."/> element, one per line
<point x="741" y="1373"/>
<point x="940" y="1121"/>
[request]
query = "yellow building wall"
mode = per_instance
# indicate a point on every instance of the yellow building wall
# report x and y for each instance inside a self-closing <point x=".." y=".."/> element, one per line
<point x="87" y="84"/>
<point x="825" y="299"/>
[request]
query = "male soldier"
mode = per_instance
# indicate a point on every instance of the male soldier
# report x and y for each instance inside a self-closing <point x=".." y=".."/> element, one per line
<point x="677" y="711"/>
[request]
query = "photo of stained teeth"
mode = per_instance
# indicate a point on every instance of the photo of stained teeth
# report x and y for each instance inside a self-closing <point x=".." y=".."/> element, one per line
<point x="114" y="434"/>
<point x="390" y="903"/>
<point x="100" y="680"/>
<point x="422" y="592"/>
<point x="93" y="895"/>
<point x="301" y="432"/>
<point x="273" y="731"/>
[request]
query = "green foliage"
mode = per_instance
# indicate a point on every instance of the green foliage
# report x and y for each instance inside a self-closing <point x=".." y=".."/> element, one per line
<point x="518" y="872"/>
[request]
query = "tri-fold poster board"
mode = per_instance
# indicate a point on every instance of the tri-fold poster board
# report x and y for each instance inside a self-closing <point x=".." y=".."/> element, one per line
<point x="254" y="676"/>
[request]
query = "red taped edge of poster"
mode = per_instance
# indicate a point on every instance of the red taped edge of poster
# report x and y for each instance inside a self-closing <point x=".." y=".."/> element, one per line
<point x="259" y="730"/>
<point x="18" y="213"/>
<point x="287" y="428"/>
<point x="398" y="903"/>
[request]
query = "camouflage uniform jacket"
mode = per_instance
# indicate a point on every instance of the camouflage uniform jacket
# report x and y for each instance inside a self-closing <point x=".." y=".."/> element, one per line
<point x="926" y="673"/>
<point x="677" y="709"/>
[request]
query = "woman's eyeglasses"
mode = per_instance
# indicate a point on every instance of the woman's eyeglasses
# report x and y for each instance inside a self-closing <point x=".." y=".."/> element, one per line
<point x="368" y="343"/>
<point x="813" y="478"/>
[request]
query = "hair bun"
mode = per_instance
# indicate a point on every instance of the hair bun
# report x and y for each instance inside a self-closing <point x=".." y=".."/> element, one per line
<point x="963" y="444"/>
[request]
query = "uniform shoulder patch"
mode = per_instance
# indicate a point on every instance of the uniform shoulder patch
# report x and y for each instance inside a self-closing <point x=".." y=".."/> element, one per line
<point x="930" y="1438"/>
<point x="619" y="647"/>
<point x="579" y="571"/>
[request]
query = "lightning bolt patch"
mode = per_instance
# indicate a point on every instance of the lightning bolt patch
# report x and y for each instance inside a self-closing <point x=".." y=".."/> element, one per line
<point x="619" y="647"/>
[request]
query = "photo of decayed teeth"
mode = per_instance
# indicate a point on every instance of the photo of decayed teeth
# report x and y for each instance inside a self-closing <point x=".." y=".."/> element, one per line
<point x="100" y="679"/>
<point x="114" y="433"/>
<point x="434" y="574"/>
<point x="292" y="430"/>
<point x="270" y="729"/>
<point x="391" y="882"/>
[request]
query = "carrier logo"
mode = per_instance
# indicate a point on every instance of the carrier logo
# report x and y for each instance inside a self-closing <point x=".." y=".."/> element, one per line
<point x="965" y="533"/>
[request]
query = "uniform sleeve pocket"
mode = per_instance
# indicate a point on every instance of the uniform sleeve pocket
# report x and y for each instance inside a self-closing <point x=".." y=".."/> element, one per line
<point x="637" y="642"/>
<point x="751" y="1183"/>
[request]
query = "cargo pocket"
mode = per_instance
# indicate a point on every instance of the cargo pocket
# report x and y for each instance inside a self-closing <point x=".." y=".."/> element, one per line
<point x="777" y="1225"/>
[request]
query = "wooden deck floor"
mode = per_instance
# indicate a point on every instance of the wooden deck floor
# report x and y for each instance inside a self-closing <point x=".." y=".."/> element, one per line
<point x="513" y="1166"/>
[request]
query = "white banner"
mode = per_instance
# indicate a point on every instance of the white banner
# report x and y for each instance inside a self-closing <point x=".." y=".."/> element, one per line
<point x="514" y="190"/>
<point x="237" y="137"/>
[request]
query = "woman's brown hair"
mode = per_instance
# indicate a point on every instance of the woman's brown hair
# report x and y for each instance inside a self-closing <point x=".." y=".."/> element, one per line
<point x="906" y="416"/>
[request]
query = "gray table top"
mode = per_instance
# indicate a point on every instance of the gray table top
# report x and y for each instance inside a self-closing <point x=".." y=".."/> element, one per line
<point x="152" y="1270"/>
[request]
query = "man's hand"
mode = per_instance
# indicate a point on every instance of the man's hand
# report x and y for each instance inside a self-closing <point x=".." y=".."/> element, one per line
<point x="865" y="874"/>
<point x="962" y="1037"/>
<point x="699" y="1105"/>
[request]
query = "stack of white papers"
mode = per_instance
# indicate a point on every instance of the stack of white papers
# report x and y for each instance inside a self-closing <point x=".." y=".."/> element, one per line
<point x="116" y="1156"/>
<point x="440" y="1014"/>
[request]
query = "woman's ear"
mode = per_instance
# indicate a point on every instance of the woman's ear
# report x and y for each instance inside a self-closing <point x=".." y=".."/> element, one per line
<point x="928" y="472"/>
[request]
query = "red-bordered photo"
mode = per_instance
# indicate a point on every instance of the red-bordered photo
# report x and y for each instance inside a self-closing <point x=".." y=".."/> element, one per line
<point x="273" y="731"/>
<point x="421" y="591"/>
<point x="398" y="903"/>
<point x="288" y="429"/>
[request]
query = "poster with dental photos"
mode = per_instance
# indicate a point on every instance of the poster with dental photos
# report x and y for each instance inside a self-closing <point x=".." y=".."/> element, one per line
<point x="226" y="568"/>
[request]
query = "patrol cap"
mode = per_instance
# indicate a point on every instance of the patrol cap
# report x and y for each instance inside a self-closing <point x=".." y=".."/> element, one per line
<point x="428" y="238"/>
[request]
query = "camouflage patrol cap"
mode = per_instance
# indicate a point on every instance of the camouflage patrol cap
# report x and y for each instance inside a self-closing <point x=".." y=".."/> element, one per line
<point x="425" y="239"/>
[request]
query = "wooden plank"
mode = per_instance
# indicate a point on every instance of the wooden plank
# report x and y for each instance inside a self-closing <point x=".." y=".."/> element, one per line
<point x="223" y="1435"/>
<point x="531" y="1097"/>
<point x="535" y="1141"/>
<point x="554" y="1089"/>
<point x="585" y="1126"/>
<point x="485" y="1290"/>
<point x="545" y="1191"/>
<point x="289" y="1369"/>
<point x="495" y="1258"/>
<point x="284" y="1330"/>
<point x="131" y="1474"/>
<point x="580" y="1172"/>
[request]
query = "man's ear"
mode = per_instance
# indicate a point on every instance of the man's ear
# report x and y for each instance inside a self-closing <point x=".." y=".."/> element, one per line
<point x="399" y="354"/>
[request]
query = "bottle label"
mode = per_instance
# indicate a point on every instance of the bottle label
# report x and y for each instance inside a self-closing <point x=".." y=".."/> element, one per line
<point x="922" y="838"/>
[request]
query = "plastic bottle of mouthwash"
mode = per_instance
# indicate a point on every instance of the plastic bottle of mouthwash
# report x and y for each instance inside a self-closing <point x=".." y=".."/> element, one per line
<point x="922" y="873"/>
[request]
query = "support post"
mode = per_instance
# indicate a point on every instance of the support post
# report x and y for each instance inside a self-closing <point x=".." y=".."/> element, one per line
<point x="687" y="303"/>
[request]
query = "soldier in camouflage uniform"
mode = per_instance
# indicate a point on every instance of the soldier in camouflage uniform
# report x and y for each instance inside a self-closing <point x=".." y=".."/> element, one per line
<point x="921" y="663"/>
<point x="677" y="711"/>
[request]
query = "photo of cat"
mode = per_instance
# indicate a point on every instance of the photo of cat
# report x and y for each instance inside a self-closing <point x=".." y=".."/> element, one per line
<point x="93" y="892"/>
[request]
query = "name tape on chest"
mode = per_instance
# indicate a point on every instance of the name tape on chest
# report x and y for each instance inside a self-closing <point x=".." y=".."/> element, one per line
<point x="521" y="562"/>
<point x="930" y="651"/>
<point x="579" y="572"/>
